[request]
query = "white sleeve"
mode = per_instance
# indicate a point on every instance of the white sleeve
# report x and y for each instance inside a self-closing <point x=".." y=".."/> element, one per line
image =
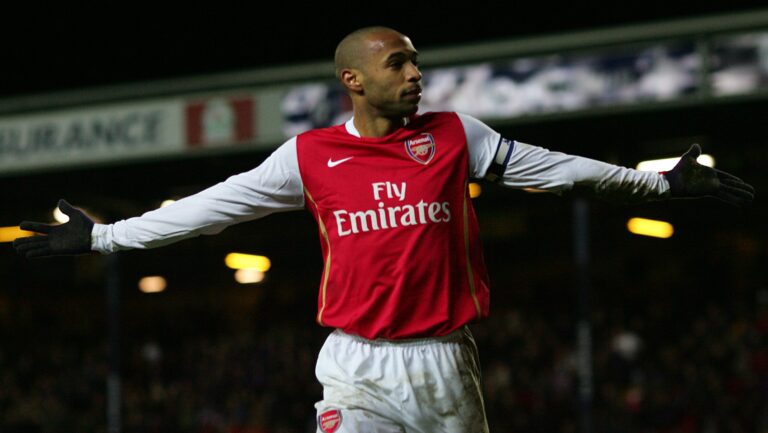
<point x="482" y="142"/>
<point x="273" y="186"/>
<point x="525" y="166"/>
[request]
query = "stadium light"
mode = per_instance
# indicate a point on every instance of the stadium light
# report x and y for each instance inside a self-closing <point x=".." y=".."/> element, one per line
<point x="152" y="284"/>
<point x="652" y="228"/>
<point x="474" y="190"/>
<point x="167" y="203"/>
<point x="247" y="261"/>
<point x="8" y="234"/>
<point x="249" y="276"/>
<point x="60" y="216"/>
<point x="667" y="164"/>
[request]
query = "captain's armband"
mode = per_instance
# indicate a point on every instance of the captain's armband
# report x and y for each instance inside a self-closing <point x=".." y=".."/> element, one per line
<point x="499" y="164"/>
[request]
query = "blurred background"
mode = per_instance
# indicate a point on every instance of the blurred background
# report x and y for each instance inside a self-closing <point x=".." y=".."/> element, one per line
<point x="597" y="324"/>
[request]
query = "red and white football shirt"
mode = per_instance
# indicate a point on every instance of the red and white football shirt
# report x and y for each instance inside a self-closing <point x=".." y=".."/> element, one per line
<point x="399" y="235"/>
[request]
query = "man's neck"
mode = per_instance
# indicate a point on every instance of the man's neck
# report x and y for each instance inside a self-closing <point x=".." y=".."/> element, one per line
<point x="376" y="126"/>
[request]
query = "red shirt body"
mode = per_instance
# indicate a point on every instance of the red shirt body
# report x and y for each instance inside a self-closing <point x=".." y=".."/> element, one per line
<point x="400" y="240"/>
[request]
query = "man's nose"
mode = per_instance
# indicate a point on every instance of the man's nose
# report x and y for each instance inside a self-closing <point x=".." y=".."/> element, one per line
<point x="413" y="73"/>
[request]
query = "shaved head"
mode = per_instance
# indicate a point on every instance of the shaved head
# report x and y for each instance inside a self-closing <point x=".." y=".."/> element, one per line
<point x="379" y="69"/>
<point x="353" y="50"/>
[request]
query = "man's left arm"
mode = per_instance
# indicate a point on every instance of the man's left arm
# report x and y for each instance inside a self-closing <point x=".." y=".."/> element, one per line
<point x="519" y="165"/>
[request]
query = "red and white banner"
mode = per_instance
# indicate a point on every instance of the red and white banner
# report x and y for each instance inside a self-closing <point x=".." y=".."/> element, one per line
<point x="220" y="121"/>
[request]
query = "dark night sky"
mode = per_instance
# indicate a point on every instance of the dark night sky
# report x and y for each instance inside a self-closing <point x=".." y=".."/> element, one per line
<point x="68" y="47"/>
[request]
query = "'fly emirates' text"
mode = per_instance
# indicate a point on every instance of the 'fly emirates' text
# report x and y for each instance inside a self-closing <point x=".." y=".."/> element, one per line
<point x="386" y="217"/>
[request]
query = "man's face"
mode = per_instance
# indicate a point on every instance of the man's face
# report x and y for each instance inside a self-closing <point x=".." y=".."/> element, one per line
<point x="391" y="79"/>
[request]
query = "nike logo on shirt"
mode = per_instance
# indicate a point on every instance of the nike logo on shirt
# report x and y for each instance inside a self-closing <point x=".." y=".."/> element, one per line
<point x="332" y="163"/>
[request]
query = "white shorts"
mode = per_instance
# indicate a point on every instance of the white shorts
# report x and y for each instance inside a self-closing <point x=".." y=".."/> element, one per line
<point x="427" y="385"/>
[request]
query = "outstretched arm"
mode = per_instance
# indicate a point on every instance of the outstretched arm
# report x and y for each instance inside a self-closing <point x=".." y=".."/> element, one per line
<point x="273" y="186"/>
<point x="519" y="165"/>
<point x="541" y="169"/>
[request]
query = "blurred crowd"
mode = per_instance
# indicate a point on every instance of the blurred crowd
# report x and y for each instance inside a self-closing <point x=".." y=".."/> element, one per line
<point x="734" y="64"/>
<point x="657" y="371"/>
<point x="708" y="374"/>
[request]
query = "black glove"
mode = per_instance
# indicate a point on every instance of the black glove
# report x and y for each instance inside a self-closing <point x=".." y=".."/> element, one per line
<point x="72" y="237"/>
<point x="689" y="179"/>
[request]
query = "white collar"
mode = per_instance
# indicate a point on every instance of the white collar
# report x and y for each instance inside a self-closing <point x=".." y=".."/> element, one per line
<point x="351" y="129"/>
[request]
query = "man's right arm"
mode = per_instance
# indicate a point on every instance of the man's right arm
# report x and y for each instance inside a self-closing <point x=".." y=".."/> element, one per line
<point x="273" y="186"/>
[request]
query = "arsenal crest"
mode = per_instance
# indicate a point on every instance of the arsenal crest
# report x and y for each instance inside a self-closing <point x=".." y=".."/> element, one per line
<point x="329" y="421"/>
<point x="421" y="148"/>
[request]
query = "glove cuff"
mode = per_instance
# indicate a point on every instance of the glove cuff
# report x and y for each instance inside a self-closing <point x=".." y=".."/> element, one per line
<point x="676" y="188"/>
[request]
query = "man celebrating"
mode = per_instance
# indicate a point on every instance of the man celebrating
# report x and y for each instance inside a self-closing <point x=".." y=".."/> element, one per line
<point x="403" y="268"/>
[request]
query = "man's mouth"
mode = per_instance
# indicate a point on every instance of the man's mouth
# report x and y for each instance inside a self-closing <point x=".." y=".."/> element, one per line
<point x="413" y="93"/>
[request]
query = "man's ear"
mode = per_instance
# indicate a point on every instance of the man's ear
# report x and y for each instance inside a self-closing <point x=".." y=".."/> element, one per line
<point x="351" y="79"/>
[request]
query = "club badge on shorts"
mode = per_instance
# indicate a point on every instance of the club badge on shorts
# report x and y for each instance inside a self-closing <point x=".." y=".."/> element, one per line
<point x="329" y="421"/>
<point x="421" y="148"/>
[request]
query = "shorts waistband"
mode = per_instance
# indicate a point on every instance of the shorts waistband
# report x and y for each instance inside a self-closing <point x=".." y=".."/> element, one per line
<point x="454" y="337"/>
